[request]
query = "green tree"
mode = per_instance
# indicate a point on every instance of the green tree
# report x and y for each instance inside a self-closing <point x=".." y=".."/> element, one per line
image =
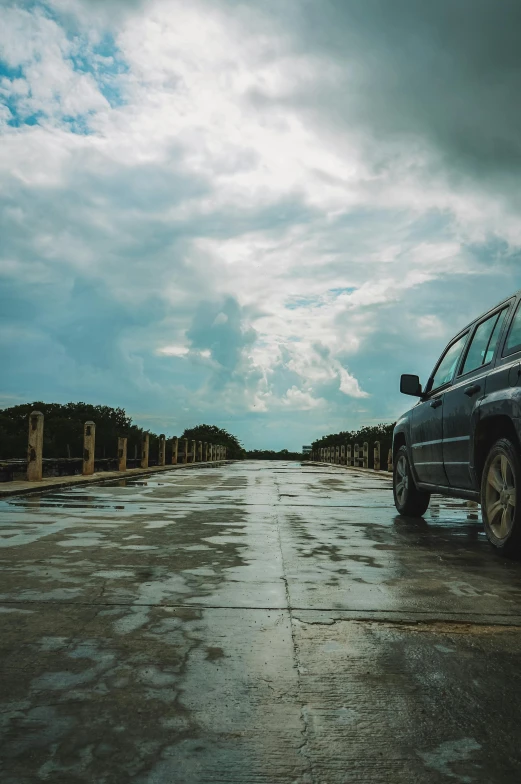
<point x="63" y="429"/>
<point x="216" y="435"/>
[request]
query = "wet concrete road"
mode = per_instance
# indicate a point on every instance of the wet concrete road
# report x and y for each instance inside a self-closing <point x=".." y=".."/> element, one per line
<point x="254" y="623"/>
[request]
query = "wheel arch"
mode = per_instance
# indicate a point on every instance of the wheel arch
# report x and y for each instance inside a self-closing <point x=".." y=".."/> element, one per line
<point x="399" y="440"/>
<point x="489" y="430"/>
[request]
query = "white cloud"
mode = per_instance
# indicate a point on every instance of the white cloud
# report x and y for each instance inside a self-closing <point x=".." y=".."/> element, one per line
<point x="173" y="351"/>
<point x="349" y="385"/>
<point x="298" y="400"/>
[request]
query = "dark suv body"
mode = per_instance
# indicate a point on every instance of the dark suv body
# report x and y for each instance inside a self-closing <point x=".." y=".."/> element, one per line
<point x="463" y="437"/>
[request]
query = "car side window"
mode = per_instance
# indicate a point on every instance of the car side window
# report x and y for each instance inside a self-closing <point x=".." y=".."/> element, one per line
<point x="513" y="343"/>
<point x="448" y="364"/>
<point x="483" y="344"/>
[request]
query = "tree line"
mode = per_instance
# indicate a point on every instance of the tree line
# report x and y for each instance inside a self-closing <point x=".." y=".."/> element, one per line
<point x="63" y="431"/>
<point x="270" y="454"/>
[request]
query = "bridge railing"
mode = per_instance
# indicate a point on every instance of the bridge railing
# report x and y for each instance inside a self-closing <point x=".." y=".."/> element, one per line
<point x="355" y="456"/>
<point x="179" y="450"/>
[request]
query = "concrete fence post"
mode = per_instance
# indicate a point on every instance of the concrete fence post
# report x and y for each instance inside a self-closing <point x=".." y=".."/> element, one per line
<point x="356" y="459"/>
<point x="35" y="447"/>
<point x="366" y="455"/>
<point x="162" y="451"/>
<point x="390" y="461"/>
<point x="194" y="452"/>
<point x="175" y="450"/>
<point x="89" y="445"/>
<point x="122" y="454"/>
<point x="376" y="455"/>
<point x="349" y="457"/>
<point x="145" y="449"/>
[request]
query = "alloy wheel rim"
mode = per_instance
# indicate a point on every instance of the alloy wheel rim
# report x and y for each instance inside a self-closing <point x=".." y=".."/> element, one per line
<point x="500" y="497"/>
<point x="402" y="480"/>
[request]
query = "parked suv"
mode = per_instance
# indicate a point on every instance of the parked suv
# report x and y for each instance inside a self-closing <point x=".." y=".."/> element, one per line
<point x="463" y="437"/>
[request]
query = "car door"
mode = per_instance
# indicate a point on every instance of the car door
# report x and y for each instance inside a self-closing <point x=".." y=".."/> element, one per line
<point x="462" y="400"/>
<point x="427" y="418"/>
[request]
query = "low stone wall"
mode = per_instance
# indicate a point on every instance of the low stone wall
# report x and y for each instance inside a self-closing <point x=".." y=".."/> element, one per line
<point x="355" y="456"/>
<point x="36" y="466"/>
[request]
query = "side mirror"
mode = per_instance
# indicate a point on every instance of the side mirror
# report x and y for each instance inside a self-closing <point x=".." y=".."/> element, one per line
<point x="410" y="385"/>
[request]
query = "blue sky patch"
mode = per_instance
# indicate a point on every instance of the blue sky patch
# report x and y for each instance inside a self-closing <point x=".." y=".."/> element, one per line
<point x="10" y="73"/>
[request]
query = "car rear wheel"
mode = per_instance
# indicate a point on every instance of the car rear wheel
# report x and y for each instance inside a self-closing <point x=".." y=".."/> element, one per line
<point x="408" y="500"/>
<point x="500" y="498"/>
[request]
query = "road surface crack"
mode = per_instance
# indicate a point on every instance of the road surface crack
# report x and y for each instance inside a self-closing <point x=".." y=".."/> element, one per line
<point x="303" y="748"/>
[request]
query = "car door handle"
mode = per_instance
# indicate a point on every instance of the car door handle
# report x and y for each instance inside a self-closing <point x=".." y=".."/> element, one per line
<point x="473" y="390"/>
<point x="437" y="403"/>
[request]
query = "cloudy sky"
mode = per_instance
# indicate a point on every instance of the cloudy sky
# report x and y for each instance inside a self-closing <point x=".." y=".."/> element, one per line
<point x="253" y="214"/>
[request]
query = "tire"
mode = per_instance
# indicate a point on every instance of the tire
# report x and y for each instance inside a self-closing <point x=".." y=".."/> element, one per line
<point x="408" y="500"/>
<point x="501" y="498"/>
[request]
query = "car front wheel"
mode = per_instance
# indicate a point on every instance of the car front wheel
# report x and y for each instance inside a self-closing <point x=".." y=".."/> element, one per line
<point x="408" y="500"/>
<point x="500" y="498"/>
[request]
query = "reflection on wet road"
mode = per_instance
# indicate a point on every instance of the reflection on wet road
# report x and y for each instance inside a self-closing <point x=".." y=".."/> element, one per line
<point x="254" y="623"/>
